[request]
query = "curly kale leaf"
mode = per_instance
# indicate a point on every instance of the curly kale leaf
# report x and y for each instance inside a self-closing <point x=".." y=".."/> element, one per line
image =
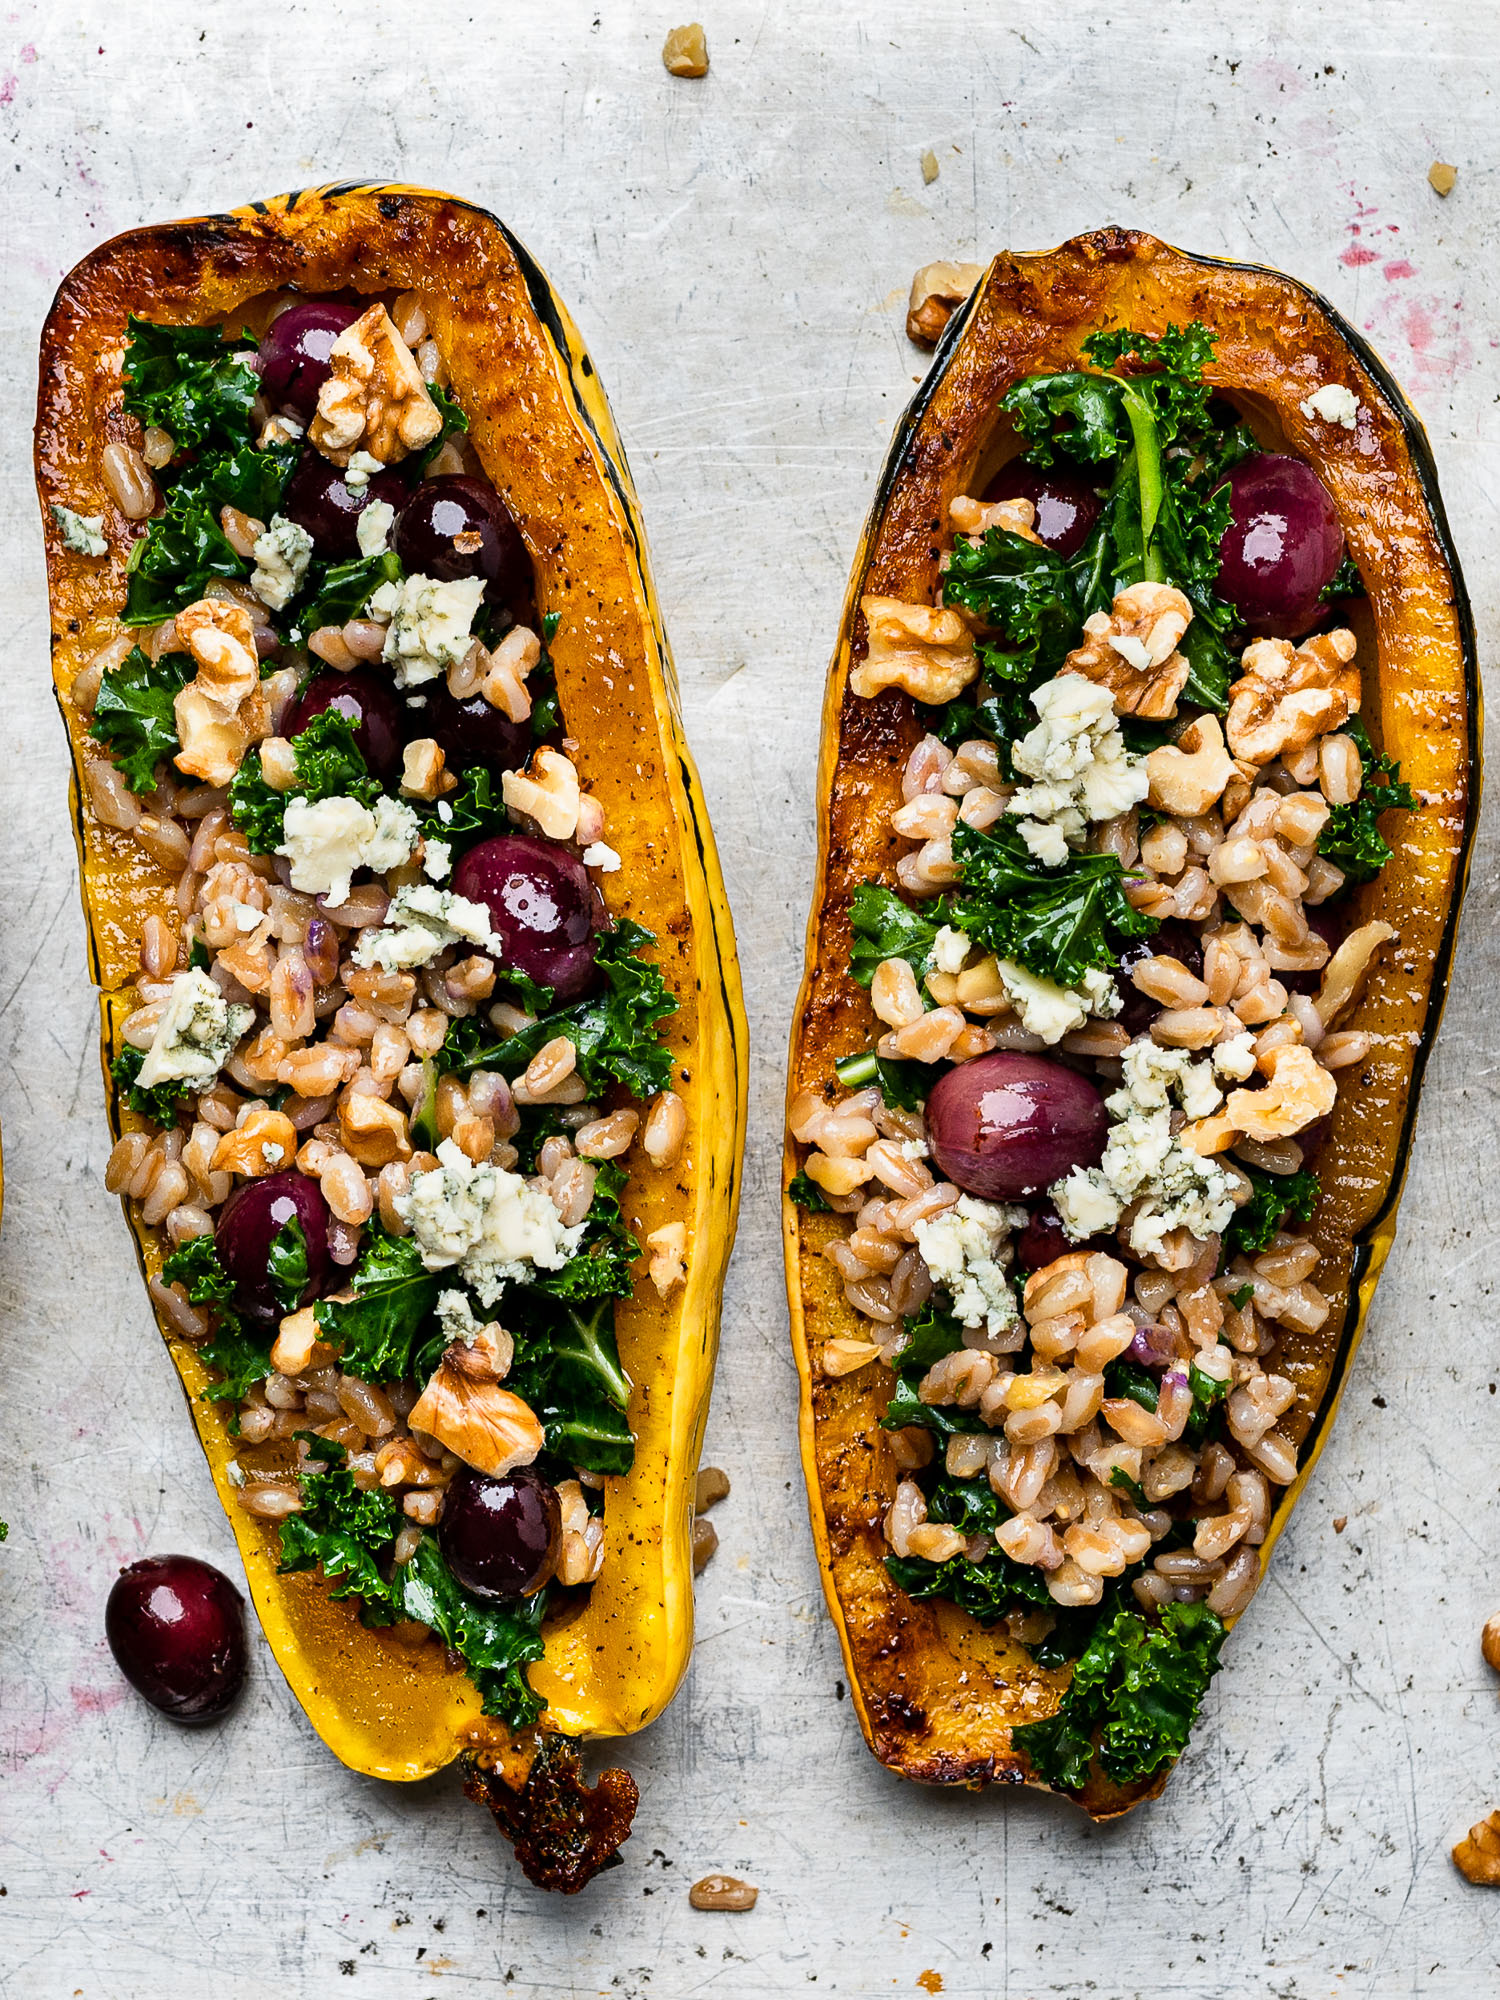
<point x="389" y="1323"/>
<point x="1025" y="590"/>
<point x="134" y="714"/>
<point x="161" y="1102"/>
<point x="1139" y="1688"/>
<point x="286" y="1264"/>
<point x="1058" y="922"/>
<point x="1352" y="839"/>
<point x="333" y="593"/>
<point x="1275" y="1197"/>
<point x="239" y="1357"/>
<point x="885" y="927"/>
<point x="600" y="1269"/>
<point x="350" y="1535"/>
<point x="454" y="424"/>
<point x="329" y="765"/>
<point x="190" y="381"/>
<point x="928" y="1339"/>
<point x="1346" y="582"/>
<point x="614" y="1029"/>
<point x="196" y="1267"/>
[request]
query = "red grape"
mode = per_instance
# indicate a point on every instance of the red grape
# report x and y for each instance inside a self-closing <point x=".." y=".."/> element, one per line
<point x="1066" y="507"/>
<point x="541" y="904"/>
<point x="176" y="1627"/>
<point x="248" y="1224"/>
<point x="1007" y="1125"/>
<point x="1281" y="548"/>
<point x="294" y="354"/>
<point x="501" y="1536"/>
<point x="380" y="724"/>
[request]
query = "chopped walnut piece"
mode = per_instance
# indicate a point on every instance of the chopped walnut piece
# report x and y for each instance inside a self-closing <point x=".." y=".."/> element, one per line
<point x="424" y="772"/>
<point x="1132" y="650"/>
<point x="1299" y="1091"/>
<point x="722" y="1892"/>
<point x="685" y="51"/>
<point x="1288" y="696"/>
<point x="668" y="1247"/>
<point x="486" y="1356"/>
<point x="928" y="652"/>
<point x="265" y="1143"/>
<point x="977" y="517"/>
<point x="375" y="399"/>
<point x="373" y="1132"/>
<point x="1348" y="966"/>
<point x="935" y="291"/>
<point x="548" y="793"/>
<point x="1477" y="1858"/>
<point x="1188" y="776"/>
<point x="222" y="710"/>
<point x="485" y="1425"/>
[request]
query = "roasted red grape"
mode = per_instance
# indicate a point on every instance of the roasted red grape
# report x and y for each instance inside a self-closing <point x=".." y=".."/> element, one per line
<point x="1282" y="546"/>
<point x="470" y="731"/>
<point x="176" y="1627"/>
<point x="1066" y="507"/>
<point x="1007" y="1125"/>
<point x="456" y="526"/>
<point x="294" y="354"/>
<point x="380" y="724"/>
<point x="318" y="498"/>
<point x="501" y="1536"/>
<point x="541" y="904"/>
<point x="247" y="1228"/>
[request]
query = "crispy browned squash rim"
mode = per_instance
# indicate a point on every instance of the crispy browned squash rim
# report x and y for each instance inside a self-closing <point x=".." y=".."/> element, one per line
<point x="936" y="1695"/>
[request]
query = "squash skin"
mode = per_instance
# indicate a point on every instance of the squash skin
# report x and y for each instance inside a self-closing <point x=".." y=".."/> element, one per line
<point x="936" y="1695"/>
<point x="543" y="429"/>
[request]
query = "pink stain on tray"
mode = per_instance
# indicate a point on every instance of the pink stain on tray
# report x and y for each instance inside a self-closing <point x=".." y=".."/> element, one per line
<point x="1422" y="333"/>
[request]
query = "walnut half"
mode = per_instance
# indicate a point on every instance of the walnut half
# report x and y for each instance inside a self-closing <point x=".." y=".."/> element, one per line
<point x="928" y="652"/>
<point x="375" y="399"/>
<point x="1132" y="650"/>
<point x="1286" y="697"/>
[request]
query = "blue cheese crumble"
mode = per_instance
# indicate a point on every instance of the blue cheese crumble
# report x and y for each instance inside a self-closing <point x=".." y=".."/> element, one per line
<point x="196" y="1034"/>
<point x="282" y="554"/>
<point x="1144" y="1164"/>
<point x="490" y="1225"/>
<point x="967" y="1249"/>
<point x="1082" y="770"/>
<point x="429" y="628"/>
<point x="327" y="839"/>
<point x="82" y="533"/>
<point x="1052" y="1011"/>
<point x="422" y="921"/>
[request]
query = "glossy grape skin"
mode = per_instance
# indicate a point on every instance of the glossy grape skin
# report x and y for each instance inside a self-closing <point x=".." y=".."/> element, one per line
<point x="1007" y="1125"/>
<point x="176" y="1627"/>
<point x="541" y="904"/>
<point x="318" y="498"/>
<point x="1043" y="1240"/>
<point x="1066" y="506"/>
<point x="456" y="505"/>
<point x="249" y="1221"/>
<point x="501" y="1536"/>
<point x="293" y="356"/>
<point x="1282" y="547"/>
<point x="471" y="731"/>
<point x="380" y="723"/>
<point x="1172" y="939"/>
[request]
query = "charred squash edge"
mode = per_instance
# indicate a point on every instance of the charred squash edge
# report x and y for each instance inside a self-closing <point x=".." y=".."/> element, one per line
<point x="616" y="1665"/>
<point x="976" y="1748"/>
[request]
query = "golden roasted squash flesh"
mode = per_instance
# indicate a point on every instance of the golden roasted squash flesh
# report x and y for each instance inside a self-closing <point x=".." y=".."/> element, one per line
<point x="543" y="433"/>
<point x="937" y="1694"/>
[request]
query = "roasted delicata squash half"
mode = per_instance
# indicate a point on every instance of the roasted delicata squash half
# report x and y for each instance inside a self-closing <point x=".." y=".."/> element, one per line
<point x="422" y="1025"/>
<point x="1148" y="781"/>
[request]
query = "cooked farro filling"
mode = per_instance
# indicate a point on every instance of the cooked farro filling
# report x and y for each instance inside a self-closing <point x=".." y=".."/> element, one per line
<point x="1078" y="1162"/>
<point x="391" y="1054"/>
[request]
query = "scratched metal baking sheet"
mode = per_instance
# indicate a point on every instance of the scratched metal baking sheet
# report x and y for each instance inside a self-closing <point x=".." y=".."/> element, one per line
<point x="737" y="252"/>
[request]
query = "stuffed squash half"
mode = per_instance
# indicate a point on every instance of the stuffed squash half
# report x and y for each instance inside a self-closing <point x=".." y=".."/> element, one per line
<point x="1149" y="775"/>
<point x="422" y="1025"/>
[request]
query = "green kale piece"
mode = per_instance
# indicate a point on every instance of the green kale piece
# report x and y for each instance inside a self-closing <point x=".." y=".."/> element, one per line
<point x="1275" y="1197"/>
<point x="195" y="1266"/>
<point x="807" y="1194"/>
<point x="928" y="1338"/>
<point x="161" y="1102"/>
<point x="188" y="380"/>
<point x="286" y="1264"/>
<point x="1140" y="1687"/>
<point x="454" y="424"/>
<point x="614" y="1029"/>
<point x="329" y="765"/>
<point x="387" y="1332"/>
<point x="134" y="715"/>
<point x="239" y="1357"/>
<point x="333" y="593"/>
<point x="567" y="1367"/>
<point x="1058" y="922"/>
<point x="1352" y="839"/>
